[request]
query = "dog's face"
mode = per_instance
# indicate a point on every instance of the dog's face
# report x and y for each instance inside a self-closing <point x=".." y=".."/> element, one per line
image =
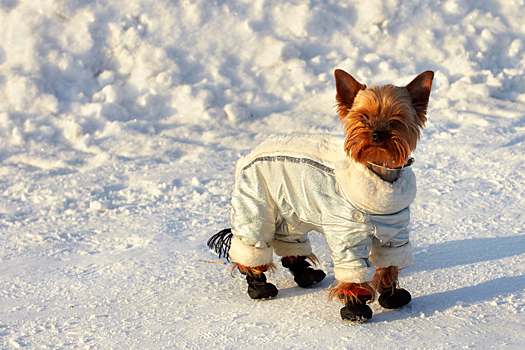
<point x="382" y="123"/>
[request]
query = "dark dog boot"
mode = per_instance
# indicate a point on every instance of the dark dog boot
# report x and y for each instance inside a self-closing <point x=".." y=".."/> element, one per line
<point x="302" y="272"/>
<point x="393" y="298"/>
<point x="356" y="310"/>
<point x="258" y="288"/>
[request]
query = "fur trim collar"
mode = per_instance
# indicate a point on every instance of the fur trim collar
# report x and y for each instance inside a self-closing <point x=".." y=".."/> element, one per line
<point x="368" y="192"/>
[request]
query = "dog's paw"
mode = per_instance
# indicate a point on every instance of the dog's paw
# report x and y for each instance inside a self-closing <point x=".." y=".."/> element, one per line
<point x="359" y="313"/>
<point x="261" y="291"/>
<point x="399" y="298"/>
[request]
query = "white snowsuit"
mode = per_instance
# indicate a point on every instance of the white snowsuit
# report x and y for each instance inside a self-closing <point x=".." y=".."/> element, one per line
<point x="291" y="185"/>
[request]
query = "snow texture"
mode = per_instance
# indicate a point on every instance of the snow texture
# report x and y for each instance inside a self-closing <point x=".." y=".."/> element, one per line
<point x="120" y="126"/>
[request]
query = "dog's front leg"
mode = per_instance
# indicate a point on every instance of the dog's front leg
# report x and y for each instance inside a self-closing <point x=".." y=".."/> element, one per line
<point x="386" y="281"/>
<point x="355" y="297"/>
<point x="388" y="258"/>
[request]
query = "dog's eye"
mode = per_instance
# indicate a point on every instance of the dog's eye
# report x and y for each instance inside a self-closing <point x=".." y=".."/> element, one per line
<point x="395" y="123"/>
<point x="364" y="119"/>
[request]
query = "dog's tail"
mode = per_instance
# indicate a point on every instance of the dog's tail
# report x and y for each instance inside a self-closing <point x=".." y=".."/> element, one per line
<point x="220" y="243"/>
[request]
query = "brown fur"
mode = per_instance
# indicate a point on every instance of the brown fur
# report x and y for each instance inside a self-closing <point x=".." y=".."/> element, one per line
<point x="397" y="112"/>
<point x="254" y="270"/>
<point x="385" y="278"/>
<point x="270" y="267"/>
<point x="344" y="290"/>
<point x="313" y="259"/>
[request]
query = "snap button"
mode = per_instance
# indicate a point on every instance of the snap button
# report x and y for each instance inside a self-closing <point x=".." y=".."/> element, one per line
<point x="357" y="216"/>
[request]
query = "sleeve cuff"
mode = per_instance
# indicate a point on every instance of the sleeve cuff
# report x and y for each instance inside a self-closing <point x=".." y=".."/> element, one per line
<point x="354" y="275"/>
<point x="282" y="248"/>
<point x="388" y="256"/>
<point x="250" y="256"/>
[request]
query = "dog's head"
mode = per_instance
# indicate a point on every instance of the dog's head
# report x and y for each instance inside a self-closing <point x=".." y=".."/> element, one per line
<point x="382" y="123"/>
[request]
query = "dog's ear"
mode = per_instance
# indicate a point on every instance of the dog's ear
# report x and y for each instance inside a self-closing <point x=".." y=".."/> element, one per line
<point x="419" y="90"/>
<point x="347" y="88"/>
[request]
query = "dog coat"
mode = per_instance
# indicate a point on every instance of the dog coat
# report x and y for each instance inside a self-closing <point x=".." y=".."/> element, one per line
<point x="291" y="185"/>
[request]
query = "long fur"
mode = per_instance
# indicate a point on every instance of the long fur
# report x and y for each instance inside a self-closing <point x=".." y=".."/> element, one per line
<point x="397" y="112"/>
<point x="385" y="278"/>
<point x="313" y="259"/>
<point x="387" y="109"/>
<point x="344" y="290"/>
<point x="254" y="269"/>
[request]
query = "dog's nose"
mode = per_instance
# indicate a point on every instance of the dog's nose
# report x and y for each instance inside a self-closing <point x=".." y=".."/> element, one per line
<point x="378" y="136"/>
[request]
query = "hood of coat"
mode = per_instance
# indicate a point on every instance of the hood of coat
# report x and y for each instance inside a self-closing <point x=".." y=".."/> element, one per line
<point x="370" y="193"/>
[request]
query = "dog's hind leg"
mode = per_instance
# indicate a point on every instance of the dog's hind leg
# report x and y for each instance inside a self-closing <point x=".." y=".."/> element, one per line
<point x="258" y="288"/>
<point x="296" y="250"/>
<point x="302" y="271"/>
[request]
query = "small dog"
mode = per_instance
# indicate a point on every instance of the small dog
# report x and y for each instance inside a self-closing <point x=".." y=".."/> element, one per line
<point x="355" y="191"/>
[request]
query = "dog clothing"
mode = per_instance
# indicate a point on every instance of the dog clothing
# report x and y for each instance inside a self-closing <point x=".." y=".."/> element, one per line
<point x="291" y="185"/>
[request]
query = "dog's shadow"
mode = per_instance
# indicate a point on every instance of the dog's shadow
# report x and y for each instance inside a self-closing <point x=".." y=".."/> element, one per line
<point x="443" y="256"/>
<point x="458" y="253"/>
<point x="468" y="251"/>
<point x="463" y="297"/>
<point x="434" y="257"/>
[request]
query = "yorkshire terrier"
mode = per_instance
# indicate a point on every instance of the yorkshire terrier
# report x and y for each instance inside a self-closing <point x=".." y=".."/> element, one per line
<point x="356" y="191"/>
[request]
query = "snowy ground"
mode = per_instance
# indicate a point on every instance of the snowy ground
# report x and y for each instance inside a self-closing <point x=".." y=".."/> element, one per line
<point x="120" y="125"/>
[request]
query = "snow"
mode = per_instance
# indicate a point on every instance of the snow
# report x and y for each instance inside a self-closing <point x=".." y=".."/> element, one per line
<point x="120" y="126"/>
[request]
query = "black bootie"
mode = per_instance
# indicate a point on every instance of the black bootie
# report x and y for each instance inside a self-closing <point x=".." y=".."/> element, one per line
<point x="302" y="272"/>
<point x="393" y="298"/>
<point x="356" y="310"/>
<point x="258" y="288"/>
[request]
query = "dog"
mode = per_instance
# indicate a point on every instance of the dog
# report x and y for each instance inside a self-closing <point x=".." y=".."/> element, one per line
<point x="356" y="191"/>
